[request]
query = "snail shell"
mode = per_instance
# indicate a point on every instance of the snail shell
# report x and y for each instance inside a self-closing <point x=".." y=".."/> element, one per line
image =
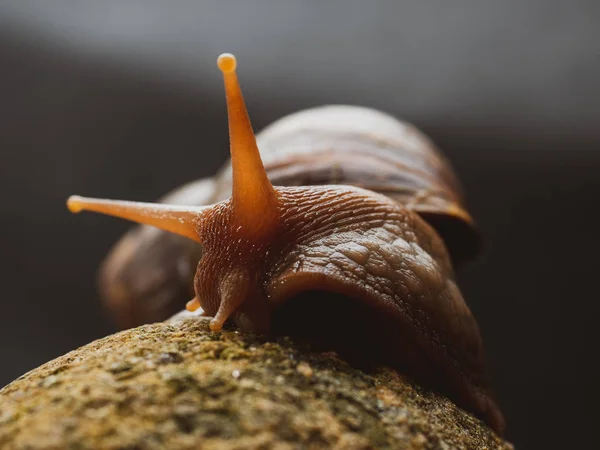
<point x="351" y="250"/>
<point x="363" y="147"/>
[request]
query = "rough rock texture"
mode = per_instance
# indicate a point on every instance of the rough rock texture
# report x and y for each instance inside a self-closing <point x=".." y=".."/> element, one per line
<point x="178" y="385"/>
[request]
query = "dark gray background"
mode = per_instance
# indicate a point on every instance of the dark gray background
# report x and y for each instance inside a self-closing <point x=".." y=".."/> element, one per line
<point x="123" y="99"/>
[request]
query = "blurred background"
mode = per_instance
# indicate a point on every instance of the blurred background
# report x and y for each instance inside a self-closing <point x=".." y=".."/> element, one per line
<point x="124" y="100"/>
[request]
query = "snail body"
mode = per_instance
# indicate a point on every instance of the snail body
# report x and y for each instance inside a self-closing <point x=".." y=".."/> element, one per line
<point x="311" y="217"/>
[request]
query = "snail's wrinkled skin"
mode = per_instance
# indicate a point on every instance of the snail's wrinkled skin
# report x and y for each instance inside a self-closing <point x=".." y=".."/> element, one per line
<point x="364" y="246"/>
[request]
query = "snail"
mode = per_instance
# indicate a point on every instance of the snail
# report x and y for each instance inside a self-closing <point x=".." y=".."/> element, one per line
<point x="346" y="233"/>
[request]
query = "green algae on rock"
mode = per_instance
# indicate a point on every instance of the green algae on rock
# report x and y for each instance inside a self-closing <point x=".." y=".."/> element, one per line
<point x="179" y="385"/>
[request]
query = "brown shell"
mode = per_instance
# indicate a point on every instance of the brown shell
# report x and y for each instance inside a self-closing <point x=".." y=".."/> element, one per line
<point x="340" y="144"/>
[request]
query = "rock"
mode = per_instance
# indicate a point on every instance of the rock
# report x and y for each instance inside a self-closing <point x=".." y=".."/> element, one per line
<point x="179" y="385"/>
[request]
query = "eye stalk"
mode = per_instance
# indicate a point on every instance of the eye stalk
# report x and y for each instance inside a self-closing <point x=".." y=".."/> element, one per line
<point x="254" y="199"/>
<point x="182" y="220"/>
<point x="249" y="217"/>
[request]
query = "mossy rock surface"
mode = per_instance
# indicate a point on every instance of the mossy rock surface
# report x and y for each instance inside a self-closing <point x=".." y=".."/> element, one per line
<point x="178" y="385"/>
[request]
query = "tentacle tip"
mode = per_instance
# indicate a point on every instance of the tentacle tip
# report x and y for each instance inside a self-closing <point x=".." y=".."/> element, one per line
<point x="192" y="305"/>
<point x="216" y="325"/>
<point x="227" y="63"/>
<point x="74" y="203"/>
